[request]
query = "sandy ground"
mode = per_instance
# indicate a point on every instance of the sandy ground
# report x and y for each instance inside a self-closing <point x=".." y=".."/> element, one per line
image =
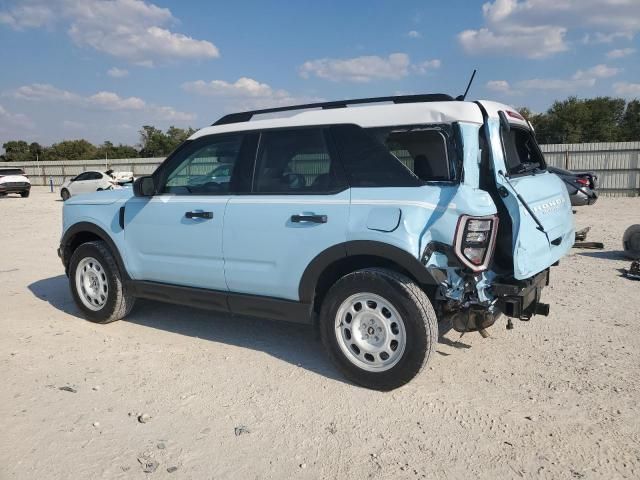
<point x="556" y="397"/>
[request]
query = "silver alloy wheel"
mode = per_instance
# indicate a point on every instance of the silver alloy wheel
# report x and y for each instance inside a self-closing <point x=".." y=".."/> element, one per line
<point x="370" y="332"/>
<point x="91" y="283"/>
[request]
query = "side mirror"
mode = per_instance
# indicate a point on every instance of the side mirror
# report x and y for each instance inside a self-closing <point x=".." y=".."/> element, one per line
<point x="144" y="187"/>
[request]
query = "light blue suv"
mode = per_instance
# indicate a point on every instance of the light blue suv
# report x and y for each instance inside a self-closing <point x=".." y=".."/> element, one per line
<point x="375" y="223"/>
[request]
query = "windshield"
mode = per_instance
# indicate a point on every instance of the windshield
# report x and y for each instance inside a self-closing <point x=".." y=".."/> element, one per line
<point x="522" y="154"/>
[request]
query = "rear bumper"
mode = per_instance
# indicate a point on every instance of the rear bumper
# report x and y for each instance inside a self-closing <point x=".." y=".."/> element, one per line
<point x="521" y="298"/>
<point x="14" y="187"/>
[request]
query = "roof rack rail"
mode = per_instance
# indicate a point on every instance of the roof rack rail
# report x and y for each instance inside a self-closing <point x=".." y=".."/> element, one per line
<point x="246" y="116"/>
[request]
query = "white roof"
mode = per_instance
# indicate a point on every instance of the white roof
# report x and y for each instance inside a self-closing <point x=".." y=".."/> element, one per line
<point x="378" y="115"/>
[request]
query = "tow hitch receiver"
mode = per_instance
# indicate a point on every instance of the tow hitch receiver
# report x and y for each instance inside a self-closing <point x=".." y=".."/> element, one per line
<point x="521" y="298"/>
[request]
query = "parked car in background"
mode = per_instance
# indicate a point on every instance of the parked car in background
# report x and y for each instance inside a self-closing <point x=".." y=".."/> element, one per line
<point x="580" y="185"/>
<point x="14" y="180"/>
<point x="91" y="181"/>
<point x="374" y="223"/>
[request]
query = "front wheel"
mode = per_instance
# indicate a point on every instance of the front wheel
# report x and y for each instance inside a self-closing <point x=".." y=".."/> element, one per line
<point x="96" y="284"/>
<point x="64" y="194"/>
<point x="24" y="194"/>
<point x="379" y="328"/>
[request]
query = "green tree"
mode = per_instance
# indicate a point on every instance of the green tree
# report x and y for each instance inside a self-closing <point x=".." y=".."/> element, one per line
<point x="71" y="150"/>
<point x="16" y="151"/>
<point x="630" y="124"/>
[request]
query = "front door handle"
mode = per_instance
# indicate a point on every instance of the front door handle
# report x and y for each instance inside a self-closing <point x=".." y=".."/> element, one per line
<point x="309" y="218"/>
<point x="198" y="214"/>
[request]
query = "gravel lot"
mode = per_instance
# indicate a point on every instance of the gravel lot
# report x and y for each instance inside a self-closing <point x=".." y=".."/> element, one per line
<point x="556" y="397"/>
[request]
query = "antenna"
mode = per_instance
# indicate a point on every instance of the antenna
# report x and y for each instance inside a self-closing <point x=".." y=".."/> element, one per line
<point x="473" y="75"/>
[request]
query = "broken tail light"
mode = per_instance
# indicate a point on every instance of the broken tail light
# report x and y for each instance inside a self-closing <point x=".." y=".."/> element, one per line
<point x="583" y="181"/>
<point x="475" y="240"/>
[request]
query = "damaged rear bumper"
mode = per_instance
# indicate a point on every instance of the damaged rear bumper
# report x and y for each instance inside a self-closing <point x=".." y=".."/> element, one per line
<point x="521" y="298"/>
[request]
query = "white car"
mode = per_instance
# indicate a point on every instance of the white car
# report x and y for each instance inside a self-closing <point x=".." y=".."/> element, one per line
<point x="14" y="180"/>
<point x="87" y="182"/>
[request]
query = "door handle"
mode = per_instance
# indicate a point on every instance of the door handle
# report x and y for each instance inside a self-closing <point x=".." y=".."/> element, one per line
<point x="309" y="218"/>
<point x="198" y="214"/>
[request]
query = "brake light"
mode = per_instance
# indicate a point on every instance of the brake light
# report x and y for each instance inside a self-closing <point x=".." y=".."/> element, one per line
<point x="475" y="241"/>
<point x="583" y="181"/>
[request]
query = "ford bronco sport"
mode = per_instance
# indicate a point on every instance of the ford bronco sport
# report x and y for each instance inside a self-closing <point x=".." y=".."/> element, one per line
<point x="375" y="223"/>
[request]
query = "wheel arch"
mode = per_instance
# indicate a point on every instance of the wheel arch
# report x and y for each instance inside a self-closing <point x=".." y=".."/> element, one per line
<point x="339" y="260"/>
<point x="84" y="232"/>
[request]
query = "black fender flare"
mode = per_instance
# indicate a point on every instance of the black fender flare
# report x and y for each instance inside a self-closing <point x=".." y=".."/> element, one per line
<point x="326" y="258"/>
<point x="82" y="227"/>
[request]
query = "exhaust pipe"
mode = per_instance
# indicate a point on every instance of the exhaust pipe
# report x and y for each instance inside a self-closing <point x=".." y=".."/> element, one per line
<point x="542" y="309"/>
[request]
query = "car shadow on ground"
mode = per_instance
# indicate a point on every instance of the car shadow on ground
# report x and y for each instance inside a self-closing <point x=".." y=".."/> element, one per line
<point x="605" y="254"/>
<point x="293" y="343"/>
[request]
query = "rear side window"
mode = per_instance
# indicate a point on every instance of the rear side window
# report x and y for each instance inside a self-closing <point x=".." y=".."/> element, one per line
<point x="296" y="161"/>
<point x="368" y="162"/>
<point x="422" y="150"/>
<point x="10" y="171"/>
<point x="521" y="151"/>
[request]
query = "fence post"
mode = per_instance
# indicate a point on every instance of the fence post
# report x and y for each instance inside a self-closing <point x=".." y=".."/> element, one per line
<point x="566" y="159"/>
<point x="44" y="176"/>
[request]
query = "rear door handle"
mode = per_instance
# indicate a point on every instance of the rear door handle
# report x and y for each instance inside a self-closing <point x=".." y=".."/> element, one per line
<point x="198" y="214"/>
<point x="309" y="218"/>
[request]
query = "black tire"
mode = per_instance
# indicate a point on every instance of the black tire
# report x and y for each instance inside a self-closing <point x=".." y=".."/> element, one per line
<point x="64" y="194"/>
<point x="24" y="194"/>
<point x="118" y="303"/>
<point x="631" y="242"/>
<point x="416" y="313"/>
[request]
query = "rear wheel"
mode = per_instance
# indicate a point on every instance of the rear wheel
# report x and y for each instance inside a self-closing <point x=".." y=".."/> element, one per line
<point x="24" y="194"/>
<point x="64" y="194"/>
<point x="379" y="328"/>
<point x="96" y="284"/>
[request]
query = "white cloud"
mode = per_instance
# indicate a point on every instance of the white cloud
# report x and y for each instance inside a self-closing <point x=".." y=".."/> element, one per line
<point x="599" y="37"/>
<point x="28" y="16"/>
<point x="530" y="42"/>
<point x="538" y="28"/>
<point x="500" y="86"/>
<point x="71" y="125"/>
<point x="426" y="66"/>
<point x="621" y="52"/>
<point x="414" y="34"/>
<point x="366" y="68"/>
<point x="130" y="29"/>
<point x="627" y="89"/>
<point x="107" y="101"/>
<point x="116" y="72"/>
<point x="246" y="93"/>
<point x="581" y="79"/>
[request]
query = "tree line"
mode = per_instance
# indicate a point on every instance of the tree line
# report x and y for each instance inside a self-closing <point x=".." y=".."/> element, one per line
<point x="574" y="120"/>
<point x="153" y="143"/>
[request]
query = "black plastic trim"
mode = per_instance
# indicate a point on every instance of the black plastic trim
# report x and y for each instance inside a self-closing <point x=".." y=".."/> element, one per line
<point x="81" y="227"/>
<point x="354" y="248"/>
<point x="225" y="302"/>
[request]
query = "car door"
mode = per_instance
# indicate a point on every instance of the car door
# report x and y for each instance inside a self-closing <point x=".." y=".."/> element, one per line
<point x="81" y="184"/>
<point x="297" y="208"/>
<point x="175" y="236"/>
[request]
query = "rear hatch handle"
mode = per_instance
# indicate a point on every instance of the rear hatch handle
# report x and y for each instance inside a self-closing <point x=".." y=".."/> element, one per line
<point x="524" y="204"/>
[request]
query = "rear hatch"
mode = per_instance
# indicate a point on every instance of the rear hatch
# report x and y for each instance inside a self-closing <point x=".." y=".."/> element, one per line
<point x="536" y="201"/>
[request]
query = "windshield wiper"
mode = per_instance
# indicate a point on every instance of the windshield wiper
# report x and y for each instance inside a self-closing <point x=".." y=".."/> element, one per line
<point x="524" y="204"/>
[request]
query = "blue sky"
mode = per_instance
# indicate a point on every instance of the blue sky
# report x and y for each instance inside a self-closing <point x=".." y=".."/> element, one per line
<point x="100" y="69"/>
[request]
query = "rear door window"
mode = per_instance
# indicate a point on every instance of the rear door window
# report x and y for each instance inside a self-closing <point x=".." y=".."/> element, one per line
<point x="296" y="161"/>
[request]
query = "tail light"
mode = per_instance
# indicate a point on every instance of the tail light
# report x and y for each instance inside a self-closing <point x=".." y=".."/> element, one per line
<point x="475" y="241"/>
<point x="583" y="181"/>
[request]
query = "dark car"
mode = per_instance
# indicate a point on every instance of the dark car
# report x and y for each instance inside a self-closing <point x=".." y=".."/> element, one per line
<point x="580" y="185"/>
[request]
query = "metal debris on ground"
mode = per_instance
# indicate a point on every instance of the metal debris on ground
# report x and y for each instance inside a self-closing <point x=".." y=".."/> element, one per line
<point x="148" y="465"/>
<point x="581" y="236"/>
<point x="67" y="388"/>
<point x="240" y="430"/>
